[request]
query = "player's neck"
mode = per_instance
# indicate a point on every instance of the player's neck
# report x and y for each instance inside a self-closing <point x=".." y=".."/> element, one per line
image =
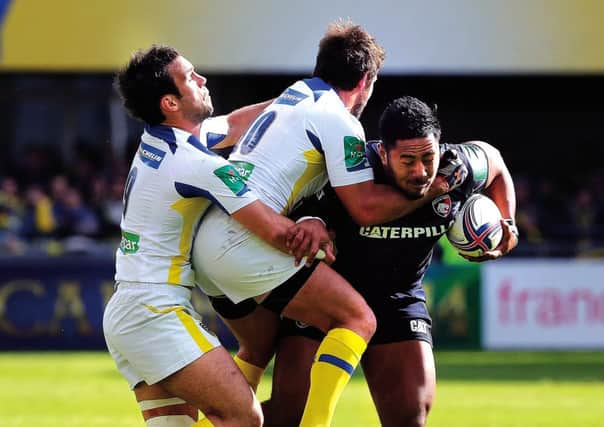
<point x="187" y="126"/>
<point x="348" y="97"/>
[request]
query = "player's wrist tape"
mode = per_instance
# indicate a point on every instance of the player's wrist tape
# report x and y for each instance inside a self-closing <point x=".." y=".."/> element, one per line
<point x="304" y="218"/>
<point x="512" y="224"/>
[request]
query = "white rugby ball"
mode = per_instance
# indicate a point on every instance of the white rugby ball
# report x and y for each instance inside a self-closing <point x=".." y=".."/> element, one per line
<point x="476" y="228"/>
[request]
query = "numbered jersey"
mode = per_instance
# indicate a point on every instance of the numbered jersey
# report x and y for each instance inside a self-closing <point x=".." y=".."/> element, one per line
<point x="173" y="179"/>
<point x="303" y="139"/>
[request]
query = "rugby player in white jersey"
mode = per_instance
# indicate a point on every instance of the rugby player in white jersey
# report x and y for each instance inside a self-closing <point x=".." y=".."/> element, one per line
<point x="307" y="136"/>
<point x="173" y="364"/>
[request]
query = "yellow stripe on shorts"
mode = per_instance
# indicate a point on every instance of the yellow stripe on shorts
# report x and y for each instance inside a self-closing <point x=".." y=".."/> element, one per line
<point x="189" y="323"/>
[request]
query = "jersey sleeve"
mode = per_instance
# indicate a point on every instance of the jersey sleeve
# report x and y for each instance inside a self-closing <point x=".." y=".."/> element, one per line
<point x="214" y="178"/>
<point x="343" y="143"/>
<point x="477" y="163"/>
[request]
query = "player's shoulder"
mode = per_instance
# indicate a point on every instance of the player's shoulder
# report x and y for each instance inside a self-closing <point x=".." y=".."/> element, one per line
<point x="476" y="160"/>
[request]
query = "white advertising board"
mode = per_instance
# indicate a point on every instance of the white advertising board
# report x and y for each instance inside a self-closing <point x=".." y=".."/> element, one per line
<point x="543" y="304"/>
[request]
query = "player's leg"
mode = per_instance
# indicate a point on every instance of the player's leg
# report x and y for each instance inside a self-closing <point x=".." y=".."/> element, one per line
<point x="327" y="301"/>
<point x="214" y="384"/>
<point x="157" y="339"/>
<point x="401" y="378"/>
<point x="255" y="329"/>
<point x="198" y="386"/>
<point x="291" y="374"/>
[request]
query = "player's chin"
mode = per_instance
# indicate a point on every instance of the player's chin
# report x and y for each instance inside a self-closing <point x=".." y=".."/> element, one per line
<point x="415" y="193"/>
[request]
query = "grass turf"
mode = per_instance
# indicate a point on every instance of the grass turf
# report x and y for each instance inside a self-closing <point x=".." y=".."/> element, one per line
<point x="475" y="389"/>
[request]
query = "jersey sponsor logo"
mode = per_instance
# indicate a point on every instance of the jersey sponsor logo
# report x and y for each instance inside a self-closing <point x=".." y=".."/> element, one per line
<point x="231" y="178"/>
<point x="442" y="205"/>
<point x="354" y="154"/>
<point x="150" y="156"/>
<point x="418" y="325"/>
<point x="129" y="243"/>
<point x="291" y="97"/>
<point x="381" y="232"/>
<point x="244" y="169"/>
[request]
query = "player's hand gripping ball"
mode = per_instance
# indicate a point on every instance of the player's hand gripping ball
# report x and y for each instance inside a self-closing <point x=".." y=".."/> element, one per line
<point x="476" y="228"/>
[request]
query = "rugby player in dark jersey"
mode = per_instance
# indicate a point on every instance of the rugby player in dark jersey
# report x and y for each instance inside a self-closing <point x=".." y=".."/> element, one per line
<point x="386" y="264"/>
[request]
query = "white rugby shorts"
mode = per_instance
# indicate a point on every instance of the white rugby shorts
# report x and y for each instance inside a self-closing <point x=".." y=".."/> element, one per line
<point x="230" y="260"/>
<point x="152" y="331"/>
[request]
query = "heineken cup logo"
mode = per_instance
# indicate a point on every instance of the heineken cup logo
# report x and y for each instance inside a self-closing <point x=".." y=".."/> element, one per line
<point x="354" y="154"/>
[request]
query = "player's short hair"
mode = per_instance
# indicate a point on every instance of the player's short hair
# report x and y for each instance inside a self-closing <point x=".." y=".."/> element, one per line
<point x="143" y="81"/>
<point x="346" y="53"/>
<point x="407" y="118"/>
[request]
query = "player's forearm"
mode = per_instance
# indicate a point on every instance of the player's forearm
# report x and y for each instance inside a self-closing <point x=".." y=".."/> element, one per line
<point x="239" y="120"/>
<point x="501" y="191"/>
<point x="265" y="223"/>
<point x="372" y="203"/>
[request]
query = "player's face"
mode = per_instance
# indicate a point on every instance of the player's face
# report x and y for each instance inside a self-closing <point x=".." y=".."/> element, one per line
<point x="413" y="164"/>
<point x="196" y="103"/>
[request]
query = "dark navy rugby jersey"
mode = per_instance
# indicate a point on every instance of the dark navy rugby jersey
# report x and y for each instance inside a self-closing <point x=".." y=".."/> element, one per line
<point x="392" y="258"/>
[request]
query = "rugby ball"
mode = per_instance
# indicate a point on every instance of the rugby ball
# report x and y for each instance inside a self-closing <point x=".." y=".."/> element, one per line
<point x="476" y="228"/>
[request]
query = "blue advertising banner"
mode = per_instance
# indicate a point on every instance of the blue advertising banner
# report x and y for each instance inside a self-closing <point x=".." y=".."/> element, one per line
<point x="57" y="303"/>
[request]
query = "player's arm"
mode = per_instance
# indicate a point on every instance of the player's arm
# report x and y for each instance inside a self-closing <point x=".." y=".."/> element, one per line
<point x="500" y="188"/>
<point x="369" y="203"/>
<point x="239" y="120"/>
<point x="351" y="176"/>
<point x="273" y="229"/>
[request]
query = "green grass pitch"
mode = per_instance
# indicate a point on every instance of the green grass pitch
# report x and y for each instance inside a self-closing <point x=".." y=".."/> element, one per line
<point x="475" y="389"/>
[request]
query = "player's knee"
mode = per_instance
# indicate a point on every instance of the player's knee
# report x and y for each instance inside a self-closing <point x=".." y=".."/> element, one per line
<point x="362" y="321"/>
<point x="254" y="417"/>
<point x="256" y="356"/>
<point x="247" y="416"/>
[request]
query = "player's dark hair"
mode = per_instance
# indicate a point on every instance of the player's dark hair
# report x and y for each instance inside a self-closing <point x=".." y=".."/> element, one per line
<point x="144" y="80"/>
<point x="346" y="52"/>
<point x="407" y="118"/>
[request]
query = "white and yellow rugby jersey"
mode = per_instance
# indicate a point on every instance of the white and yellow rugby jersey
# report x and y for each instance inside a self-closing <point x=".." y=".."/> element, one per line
<point x="213" y="130"/>
<point x="305" y="137"/>
<point x="173" y="179"/>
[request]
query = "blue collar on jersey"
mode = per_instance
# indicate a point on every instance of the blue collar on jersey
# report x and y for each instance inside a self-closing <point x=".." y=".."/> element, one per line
<point x="318" y="86"/>
<point x="166" y="133"/>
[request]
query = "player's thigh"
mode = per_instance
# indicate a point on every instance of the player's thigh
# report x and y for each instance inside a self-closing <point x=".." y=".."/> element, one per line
<point x="327" y="300"/>
<point x="402" y="380"/>
<point x="214" y="384"/>
<point x="291" y="380"/>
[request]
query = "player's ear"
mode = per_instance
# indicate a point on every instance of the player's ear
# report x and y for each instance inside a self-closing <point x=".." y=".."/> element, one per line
<point x="362" y="84"/>
<point x="169" y="103"/>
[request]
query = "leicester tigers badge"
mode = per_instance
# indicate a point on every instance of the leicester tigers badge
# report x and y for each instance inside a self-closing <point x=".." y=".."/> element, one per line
<point x="442" y="205"/>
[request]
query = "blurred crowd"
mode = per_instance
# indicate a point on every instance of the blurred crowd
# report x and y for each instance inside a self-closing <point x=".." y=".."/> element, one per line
<point x="49" y="207"/>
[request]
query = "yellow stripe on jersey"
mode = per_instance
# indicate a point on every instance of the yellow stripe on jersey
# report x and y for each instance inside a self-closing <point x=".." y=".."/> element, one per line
<point x="315" y="165"/>
<point x="190" y="210"/>
<point x="188" y="322"/>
